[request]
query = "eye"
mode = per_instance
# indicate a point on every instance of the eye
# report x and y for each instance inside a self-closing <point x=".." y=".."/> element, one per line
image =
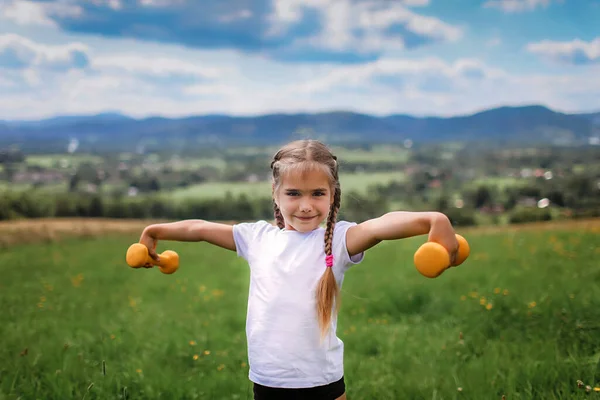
<point x="292" y="193"/>
<point x="319" y="193"/>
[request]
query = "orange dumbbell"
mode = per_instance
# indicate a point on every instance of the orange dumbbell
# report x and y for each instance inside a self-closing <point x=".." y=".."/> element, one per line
<point x="431" y="259"/>
<point x="137" y="256"/>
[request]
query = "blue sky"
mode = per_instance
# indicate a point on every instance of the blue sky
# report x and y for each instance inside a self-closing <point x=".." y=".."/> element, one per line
<point x="250" y="57"/>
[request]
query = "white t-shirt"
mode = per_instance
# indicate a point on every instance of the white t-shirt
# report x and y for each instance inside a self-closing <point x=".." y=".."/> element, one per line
<point x="284" y="339"/>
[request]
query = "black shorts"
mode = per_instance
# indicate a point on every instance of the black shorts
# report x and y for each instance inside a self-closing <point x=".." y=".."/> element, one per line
<point x="327" y="392"/>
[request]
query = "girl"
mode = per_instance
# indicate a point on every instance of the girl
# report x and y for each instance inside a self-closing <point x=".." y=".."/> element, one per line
<point x="297" y="269"/>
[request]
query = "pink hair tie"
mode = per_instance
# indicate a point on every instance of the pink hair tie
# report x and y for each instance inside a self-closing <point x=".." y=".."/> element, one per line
<point x="329" y="260"/>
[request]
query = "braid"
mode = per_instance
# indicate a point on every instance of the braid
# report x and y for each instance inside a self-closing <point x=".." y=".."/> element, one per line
<point x="278" y="216"/>
<point x="276" y="210"/>
<point x="327" y="289"/>
<point x="331" y="219"/>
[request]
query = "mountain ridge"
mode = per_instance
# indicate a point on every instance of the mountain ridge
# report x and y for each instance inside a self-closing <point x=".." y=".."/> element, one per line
<point x="113" y="131"/>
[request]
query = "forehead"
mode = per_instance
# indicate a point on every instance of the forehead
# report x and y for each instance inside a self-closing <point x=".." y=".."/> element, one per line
<point x="305" y="180"/>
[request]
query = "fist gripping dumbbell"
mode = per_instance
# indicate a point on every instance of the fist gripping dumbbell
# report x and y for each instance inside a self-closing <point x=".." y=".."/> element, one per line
<point x="431" y="259"/>
<point x="137" y="256"/>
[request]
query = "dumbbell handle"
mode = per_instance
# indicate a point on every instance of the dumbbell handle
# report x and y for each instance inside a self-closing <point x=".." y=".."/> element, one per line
<point x="137" y="256"/>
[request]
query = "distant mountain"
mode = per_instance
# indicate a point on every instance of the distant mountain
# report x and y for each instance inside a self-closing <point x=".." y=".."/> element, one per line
<point x="69" y="120"/>
<point x="594" y="117"/>
<point x="116" y="132"/>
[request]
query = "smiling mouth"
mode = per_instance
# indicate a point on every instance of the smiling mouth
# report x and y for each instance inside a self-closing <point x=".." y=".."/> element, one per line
<point x="306" y="218"/>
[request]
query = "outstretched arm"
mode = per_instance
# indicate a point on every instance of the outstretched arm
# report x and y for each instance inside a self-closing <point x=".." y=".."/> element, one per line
<point x="402" y="224"/>
<point x="190" y="230"/>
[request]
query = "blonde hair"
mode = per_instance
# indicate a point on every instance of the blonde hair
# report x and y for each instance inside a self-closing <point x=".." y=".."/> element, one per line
<point x="304" y="156"/>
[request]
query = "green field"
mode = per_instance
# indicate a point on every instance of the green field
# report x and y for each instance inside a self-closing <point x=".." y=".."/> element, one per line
<point x="62" y="160"/>
<point x="359" y="182"/>
<point x="521" y="318"/>
<point x="388" y="153"/>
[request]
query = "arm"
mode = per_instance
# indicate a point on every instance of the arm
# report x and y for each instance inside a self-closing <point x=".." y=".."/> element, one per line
<point x="191" y="230"/>
<point x="399" y="225"/>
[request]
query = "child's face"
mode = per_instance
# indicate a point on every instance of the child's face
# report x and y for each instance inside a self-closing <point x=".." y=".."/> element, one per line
<point x="304" y="200"/>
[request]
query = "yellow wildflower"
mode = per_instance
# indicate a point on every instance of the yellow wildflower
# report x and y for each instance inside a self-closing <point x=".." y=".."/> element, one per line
<point x="76" y="280"/>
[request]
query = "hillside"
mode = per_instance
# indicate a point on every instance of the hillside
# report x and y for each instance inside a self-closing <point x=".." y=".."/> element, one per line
<point x="115" y="132"/>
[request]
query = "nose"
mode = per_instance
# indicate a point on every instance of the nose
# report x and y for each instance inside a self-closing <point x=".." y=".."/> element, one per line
<point x="305" y="206"/>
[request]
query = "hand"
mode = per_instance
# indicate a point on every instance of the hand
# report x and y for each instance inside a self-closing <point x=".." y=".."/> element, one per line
<point x="442" y="232"/>
<point x="150" y="242"/>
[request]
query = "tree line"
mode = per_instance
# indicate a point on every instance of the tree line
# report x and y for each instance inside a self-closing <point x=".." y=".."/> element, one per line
<point x="576" y="198"/>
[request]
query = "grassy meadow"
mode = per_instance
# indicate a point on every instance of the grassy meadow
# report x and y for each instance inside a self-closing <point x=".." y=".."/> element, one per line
<point x="520" y="318"/>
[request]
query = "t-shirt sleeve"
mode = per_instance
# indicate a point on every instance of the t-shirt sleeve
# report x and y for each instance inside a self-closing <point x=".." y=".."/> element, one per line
<point x="245" y="234"/>
<point x="340" y="250"/>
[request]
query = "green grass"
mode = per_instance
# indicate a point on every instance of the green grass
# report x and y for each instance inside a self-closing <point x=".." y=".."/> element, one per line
<point x="62" y="160"/>
<point x="14" y="187"/>
<point x="527" y="303"/>
<point x="359" y="182"/>
<point x="187" y="164"/>
<point x="48" y="188"/>
<point x="390" y="154"/>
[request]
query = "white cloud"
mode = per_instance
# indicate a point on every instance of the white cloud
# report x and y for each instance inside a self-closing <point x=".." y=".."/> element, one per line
<point x="115" y="4"/>
<point x="511" y="6"/>
<point x="575" y="52"/>
<point x="405" y="71"/>
<point x="23" y="12"/>
<point x="75" y="89"/>
<point x="20" y="52"/>
<point x="26" y="13"/>
<point x="5" y="82"/>
<point x="337" y="88"/>
<point x="159" y="66"/>
<point x="342" y="18"/>
<point x="143" y="79"/>
<point x="160" y="3"/>
<point x="309" y="88"/>
<point x="211" y="90"/>
<point x="289" y="30"/>
<point x="415" y="3"/>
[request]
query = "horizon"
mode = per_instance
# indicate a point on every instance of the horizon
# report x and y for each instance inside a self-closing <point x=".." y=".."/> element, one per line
<point x="291" y="114"/>
<point x="420" y="58"/>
